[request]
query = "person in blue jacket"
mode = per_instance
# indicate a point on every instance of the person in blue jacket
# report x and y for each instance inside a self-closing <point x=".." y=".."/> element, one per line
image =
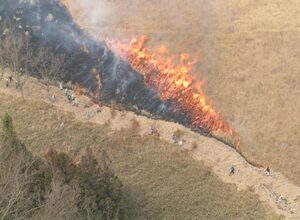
<point x="231" y="169"/>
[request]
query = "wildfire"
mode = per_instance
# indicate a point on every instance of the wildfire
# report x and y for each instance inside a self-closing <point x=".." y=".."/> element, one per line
<point x="174" y="82"/>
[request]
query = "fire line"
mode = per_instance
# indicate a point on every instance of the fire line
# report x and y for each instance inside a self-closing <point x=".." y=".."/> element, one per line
<point x="173" y="81"/>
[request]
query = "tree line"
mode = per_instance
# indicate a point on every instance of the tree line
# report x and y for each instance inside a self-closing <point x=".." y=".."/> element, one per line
<point x="55" y="187"/>
<point x="18" y="53"/>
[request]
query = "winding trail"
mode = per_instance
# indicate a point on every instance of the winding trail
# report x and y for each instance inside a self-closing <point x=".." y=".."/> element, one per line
<point x="275" y="190"/>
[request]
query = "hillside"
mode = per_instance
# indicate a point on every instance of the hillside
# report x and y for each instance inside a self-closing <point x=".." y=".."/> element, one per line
<point x="249" y="58"/>
<point x="247" y="55"/>
<point x="160" y="181"/>
<point x="275" y="191"/>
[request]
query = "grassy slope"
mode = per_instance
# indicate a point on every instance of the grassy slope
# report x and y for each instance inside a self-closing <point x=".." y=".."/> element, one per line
<point x="249" y="56"/>
<point x="160" y="181"/>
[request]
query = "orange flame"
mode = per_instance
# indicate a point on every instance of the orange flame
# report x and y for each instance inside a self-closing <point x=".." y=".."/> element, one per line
<point x="78" y="90"/>
<point x="174" y="82"/>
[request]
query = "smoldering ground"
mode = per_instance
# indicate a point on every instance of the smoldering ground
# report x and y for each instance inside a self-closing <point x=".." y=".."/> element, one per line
<point x="49" y="23"/>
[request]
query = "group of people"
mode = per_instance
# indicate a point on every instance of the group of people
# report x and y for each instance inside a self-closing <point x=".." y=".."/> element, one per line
<point x="176" y="141"/>
<point x="71" y="97"/>
<point x="153" y="131"/>
<point x="73" y="101"/>
<point x="90" y="113"/>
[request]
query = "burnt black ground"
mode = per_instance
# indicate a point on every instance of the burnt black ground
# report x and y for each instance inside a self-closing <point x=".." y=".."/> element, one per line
<point x="49" y="24"/>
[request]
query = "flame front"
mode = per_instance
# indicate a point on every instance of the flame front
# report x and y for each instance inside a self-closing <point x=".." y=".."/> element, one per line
<point x="174" y="82"/>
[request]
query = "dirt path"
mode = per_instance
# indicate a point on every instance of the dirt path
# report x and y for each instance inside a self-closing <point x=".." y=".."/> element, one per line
<point x="275" y="190"/>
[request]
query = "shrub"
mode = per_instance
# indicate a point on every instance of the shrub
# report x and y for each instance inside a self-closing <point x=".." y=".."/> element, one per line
<point x="135" y="125"/>
<point x="178" y="133"/>
<point x="99" y="190"/>
<point x="194" y="145"/>
<point x="23" y="180"/>
<point x="57" y="188"/>
<point x="113" y="111"/>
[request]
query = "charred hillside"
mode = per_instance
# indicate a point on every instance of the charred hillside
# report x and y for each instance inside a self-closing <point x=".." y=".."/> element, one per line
<point x="49" y="24"/>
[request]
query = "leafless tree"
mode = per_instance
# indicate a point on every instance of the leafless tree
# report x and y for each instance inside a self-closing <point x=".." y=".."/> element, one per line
<point x="16" y="54"/>
<point x="60" y="202"/>
<point x="12" y="46"/>
<point x="49" y="65"/>
<point x="15" y="177"/>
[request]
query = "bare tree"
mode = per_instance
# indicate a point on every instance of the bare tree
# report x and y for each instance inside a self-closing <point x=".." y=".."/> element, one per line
<point x="16" y="54"/>
<point x="15" y="179"/>
<point x="12" y="46"/>
<point x="60" y="202"/>
<point x="23" y="75"/>
<point x="49" y="65"/>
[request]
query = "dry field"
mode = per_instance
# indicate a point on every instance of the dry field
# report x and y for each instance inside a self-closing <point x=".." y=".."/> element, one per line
<point x="40" y="133"/>
<point x="159" y="180"/>
<point x="249" y="56"/>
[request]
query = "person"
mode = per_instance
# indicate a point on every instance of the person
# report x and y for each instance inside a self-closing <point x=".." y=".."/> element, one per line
<point x="10" y="78"/>
<point x="72" y="97"/>
<point x="98" y="107"/>
<point x="74" y="103"/>
<point x="69" y="98"/>
<point x="181" y="142"/>
<point x="61" y="86"/>
<point x="231" y="169"/>
<point x="88" y="115"/>
<point x="268" y="171"/>
<point x="7" y="83"/>
<point x="53" y="98"/>
<point x="279" y="198"/>
<point x="151" y="130"/>
<point x="174" y="139"/>
<point x="66" y="92"/>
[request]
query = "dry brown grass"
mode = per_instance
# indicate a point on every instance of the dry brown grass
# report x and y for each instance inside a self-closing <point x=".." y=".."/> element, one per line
<point x="249" y="56"/>
<point x="194" y="145"/>
<point x="107" y="123"/>
<point x="134" y="126"/>
<point x="113" y="111"/>
<point x="178" y="133"/>
<point x="160" y="181"/>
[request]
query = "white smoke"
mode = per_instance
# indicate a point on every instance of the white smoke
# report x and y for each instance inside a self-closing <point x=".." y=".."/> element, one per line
<point x="180" y="21"/>
<point x="93" y="15"/>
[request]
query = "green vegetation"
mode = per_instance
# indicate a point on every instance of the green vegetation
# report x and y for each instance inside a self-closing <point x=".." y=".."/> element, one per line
<point x="56" y="188"/>
<point x="159" y="181"/>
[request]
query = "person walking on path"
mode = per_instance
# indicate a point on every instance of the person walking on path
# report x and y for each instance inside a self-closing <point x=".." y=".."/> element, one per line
<point x="231" y="170"/>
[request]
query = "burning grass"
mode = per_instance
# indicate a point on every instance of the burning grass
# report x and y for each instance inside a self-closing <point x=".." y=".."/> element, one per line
<point x="246" y="79"/>
<point x="160" y="181"/>
<point x="171" y="78"/>
<point x="174" y="82"/>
